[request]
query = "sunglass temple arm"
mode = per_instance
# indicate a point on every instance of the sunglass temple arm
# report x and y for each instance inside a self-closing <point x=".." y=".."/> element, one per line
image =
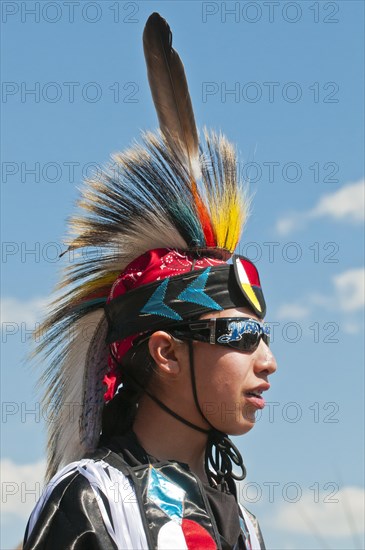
<point x="212" y="327"/>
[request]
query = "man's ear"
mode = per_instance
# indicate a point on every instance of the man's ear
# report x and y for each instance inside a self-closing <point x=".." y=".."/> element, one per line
<point x="163" y="349"/>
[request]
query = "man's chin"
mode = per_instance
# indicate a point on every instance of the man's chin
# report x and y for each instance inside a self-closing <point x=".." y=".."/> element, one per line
<point x="242" y="428"/>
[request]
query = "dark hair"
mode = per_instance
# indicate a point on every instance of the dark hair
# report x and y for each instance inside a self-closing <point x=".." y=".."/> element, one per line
<point x="137" y="367"/>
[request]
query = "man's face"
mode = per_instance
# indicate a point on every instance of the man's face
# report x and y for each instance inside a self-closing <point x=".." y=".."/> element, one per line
<point x="225" y="377"/>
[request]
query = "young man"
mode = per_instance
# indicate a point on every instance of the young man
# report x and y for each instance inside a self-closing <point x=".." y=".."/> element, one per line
<point x="177" y="336"/>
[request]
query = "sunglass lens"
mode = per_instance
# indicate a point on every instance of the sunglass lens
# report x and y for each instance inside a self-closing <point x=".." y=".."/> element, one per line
<point x="247" y="343"/>
<point x="266" y="339"/>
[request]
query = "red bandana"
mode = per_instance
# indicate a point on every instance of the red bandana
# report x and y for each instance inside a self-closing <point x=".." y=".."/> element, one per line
<point x="152" y="266"/>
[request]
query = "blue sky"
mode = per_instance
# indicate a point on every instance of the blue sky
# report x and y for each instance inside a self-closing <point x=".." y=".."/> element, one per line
<point x="285" y="83"/>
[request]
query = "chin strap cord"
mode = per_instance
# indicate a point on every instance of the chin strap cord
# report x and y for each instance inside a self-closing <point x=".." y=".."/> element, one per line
<point x="220" y="453"/>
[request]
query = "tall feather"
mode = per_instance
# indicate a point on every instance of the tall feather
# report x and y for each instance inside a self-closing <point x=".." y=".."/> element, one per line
<point x="170" y="92"/>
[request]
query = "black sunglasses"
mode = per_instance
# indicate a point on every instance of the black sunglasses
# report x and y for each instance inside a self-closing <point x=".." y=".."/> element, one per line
<point x="241" y="333"/>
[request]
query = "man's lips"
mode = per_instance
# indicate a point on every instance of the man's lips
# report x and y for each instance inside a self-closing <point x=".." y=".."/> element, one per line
<point x="254" y="395"/>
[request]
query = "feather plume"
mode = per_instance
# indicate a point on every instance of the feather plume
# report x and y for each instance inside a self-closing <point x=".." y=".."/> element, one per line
<point x="170" y="92"/>
<point x="170" y="191"/>
<point x="143" y="200"/>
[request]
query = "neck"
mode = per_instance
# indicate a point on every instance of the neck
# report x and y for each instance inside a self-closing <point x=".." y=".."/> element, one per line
<point x="166" y="438"/>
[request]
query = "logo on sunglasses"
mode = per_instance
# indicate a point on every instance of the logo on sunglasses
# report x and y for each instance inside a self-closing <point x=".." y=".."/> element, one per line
<point x="237" y="329"/>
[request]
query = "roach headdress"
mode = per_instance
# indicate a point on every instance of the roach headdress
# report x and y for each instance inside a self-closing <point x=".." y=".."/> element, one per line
<point x="150" y="245"/>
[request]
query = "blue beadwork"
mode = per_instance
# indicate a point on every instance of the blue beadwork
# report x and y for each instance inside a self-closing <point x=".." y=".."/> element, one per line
<point x="195" y="293"/>
<point x="156" y="304"/>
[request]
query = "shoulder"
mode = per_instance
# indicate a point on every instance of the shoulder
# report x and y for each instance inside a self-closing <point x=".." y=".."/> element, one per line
<point x="73" y="494"/>
<point x="91" y="477"/>
<point x="89" y="496"/>
<point x="68" y="515"/>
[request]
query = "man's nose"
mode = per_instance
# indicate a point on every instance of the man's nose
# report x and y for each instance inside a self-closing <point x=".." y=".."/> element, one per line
<point x="265" y="360"/>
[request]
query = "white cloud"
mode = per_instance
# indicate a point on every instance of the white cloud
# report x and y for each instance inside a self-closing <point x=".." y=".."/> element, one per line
<point x="350" y="289"/>
<point x="346" y="204"/>
<point x="20" y="311"/>
<point x="21" y="486"/>
<point x="334" y="515"/>
<point x="292" y="222"/>
<point x="351" y="327"/>
<point x="347" y="297"/>
<point x="292" y="311"/>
